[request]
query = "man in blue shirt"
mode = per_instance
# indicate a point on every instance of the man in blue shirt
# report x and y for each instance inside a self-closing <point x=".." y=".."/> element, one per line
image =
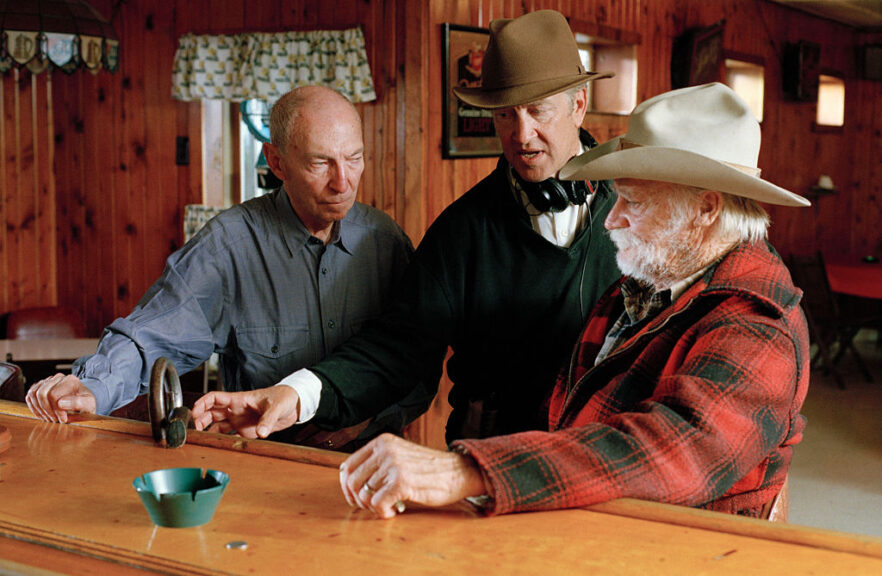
<point x="271" y="285"/>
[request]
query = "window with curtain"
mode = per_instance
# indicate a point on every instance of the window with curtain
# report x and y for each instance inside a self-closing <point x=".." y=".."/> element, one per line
<point x="266" y="66"/>
<point x="257" y="69"/>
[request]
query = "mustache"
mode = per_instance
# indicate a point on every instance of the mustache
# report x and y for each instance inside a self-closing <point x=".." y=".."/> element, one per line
<point x="623" y="238"/>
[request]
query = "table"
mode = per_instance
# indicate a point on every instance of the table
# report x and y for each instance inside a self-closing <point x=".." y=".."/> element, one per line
<point x="68" y="506"/>
<point x="854" y="277"/>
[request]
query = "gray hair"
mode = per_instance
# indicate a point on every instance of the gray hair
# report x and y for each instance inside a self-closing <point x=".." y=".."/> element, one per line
<point x="741" y="219"/>
<point x="571" y="95"/>
<point x="282" y="116"/>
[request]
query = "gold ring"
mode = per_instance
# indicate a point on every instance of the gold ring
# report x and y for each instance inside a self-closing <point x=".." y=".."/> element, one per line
<point x="367" y="488"/>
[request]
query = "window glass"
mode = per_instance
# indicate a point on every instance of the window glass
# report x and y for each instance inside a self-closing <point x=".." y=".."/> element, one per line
<point x="257" y="178"/>
<point x="747" y="80"/>
<point x="617" y="95"/>
<point x="831" y="101"/>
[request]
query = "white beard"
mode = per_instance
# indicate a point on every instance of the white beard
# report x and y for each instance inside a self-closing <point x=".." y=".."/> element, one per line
<point x="660" y="260"/>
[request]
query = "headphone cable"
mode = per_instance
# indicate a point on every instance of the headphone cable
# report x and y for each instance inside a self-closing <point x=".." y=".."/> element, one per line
<point x="587" y="246"/>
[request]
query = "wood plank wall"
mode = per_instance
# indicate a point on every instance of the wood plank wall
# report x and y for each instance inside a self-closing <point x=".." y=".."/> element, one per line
<point x="27" y="191"/>
<point x="120" y="195"/>
<point x="91" y="199"/>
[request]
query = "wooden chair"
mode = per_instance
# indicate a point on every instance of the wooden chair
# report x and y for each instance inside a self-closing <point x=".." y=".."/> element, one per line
<point x="830" y="327"/>
<point x="11" y="382"/>
<point x="776" y="509"/>
<point x="44" y="322"/>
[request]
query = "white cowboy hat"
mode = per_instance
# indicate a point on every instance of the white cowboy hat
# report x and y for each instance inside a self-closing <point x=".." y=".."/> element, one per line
<point x="703" y="136"/>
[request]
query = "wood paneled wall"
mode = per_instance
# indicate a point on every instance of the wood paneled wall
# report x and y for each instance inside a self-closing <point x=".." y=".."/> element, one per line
<point x="91" y="199"/>
<point x="120" y="196"/>
<point x="28" y="254"/>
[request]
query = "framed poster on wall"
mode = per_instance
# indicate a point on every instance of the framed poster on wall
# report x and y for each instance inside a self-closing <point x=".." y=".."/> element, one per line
<point x="697" y="56"/>
<point x="800" y="71"/>
<point x="467" y="131"/>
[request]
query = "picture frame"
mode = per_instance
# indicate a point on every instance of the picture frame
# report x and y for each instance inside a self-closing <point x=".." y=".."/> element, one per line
<point x="467" y="131"/>
<point x="871" y="61"/>
<point x="800" y="71"/>
<point x="697" y="56"/>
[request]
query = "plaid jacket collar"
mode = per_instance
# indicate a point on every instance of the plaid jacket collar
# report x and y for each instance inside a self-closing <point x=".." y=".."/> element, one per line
<point x="752" y="271"/>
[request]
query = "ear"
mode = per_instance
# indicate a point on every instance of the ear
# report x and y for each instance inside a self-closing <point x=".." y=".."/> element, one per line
<point x="580" y="105"/>
<point x="710" y="203"/>
<point x="274" y="160"/>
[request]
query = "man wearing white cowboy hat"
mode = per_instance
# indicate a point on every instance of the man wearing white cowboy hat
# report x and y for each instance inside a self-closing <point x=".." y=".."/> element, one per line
<point x="508" y="271"/>
<point x="686" y="384"/>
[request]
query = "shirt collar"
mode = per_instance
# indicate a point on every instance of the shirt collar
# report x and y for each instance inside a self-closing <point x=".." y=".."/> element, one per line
<point x="679" y="287"/>
<point x="342" y="234"/>
<point x="295" y="233"/>
<point x="642" y="300"/>
<point x="559" y="228"/>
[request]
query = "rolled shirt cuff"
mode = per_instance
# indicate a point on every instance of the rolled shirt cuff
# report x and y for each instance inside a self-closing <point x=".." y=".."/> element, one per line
<point x="308" y="388"/>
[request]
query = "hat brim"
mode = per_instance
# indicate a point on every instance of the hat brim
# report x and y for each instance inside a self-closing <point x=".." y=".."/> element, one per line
<point x="607" y="162"/>
<point x="523" y="93"/>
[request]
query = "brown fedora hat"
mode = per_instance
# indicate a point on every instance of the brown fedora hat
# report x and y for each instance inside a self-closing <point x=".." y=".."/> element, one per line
<point x="527" y="59"/>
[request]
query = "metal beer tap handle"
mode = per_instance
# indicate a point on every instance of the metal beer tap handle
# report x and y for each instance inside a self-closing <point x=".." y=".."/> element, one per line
<point x="169" y="418"/>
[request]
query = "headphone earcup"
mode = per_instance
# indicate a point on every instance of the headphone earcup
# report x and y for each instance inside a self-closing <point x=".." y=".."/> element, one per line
<point x="558" y="193"/>
<point x="555" y="195"/>
<point x="552" y="194"/>
<point x="539" y="195"/>
<point x="579" y="192"/>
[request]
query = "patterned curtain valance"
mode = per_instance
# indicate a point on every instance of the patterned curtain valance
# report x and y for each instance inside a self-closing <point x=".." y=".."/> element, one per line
<point x="266" y="66"/>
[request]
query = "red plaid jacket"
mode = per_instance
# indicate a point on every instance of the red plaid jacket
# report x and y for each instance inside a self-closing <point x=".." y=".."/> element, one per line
<point x="699" y="408"/>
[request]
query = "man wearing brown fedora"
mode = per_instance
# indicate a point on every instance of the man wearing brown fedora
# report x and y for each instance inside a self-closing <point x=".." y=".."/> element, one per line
<point x="687" y="381"/>
<point x="505" y="276"/>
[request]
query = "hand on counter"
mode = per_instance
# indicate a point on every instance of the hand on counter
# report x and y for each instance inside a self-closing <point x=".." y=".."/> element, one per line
<point x="251" y="414"/>
<point x="52" y="398"/>
<point x="390" y="470"/>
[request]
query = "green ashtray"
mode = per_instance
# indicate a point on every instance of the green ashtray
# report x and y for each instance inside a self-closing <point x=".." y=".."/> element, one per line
<point x="181" y="497"/>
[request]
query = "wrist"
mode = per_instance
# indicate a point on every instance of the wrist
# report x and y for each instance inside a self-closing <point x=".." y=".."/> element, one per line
<point x="475" y="483"/>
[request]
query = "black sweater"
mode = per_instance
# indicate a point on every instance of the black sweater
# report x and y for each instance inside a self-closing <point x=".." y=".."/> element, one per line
<point x="505" y="300"/>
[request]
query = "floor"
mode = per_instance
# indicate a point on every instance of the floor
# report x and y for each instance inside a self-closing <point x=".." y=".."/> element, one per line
<point x="836" y="474"/>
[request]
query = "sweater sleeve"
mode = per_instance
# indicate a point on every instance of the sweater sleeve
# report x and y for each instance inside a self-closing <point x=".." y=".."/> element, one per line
<point x="393" y="358"/>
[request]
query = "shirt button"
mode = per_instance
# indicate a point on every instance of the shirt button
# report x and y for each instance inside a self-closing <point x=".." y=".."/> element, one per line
<point x="331" y="324"/>
<point x="324" y="270"/>
<point x="275" y="349"/>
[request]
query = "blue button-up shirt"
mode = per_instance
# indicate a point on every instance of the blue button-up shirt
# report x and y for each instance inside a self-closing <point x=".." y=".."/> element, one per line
<point x="254" y="286"/>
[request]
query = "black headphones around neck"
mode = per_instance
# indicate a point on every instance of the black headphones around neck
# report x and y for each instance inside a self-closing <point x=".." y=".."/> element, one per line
<point x="552" y="194"/>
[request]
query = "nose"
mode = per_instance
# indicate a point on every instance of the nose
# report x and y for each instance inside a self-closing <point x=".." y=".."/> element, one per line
<point x="338" y="180"/>
<point x="616" y="219"/>
<point x="523" y="128"/>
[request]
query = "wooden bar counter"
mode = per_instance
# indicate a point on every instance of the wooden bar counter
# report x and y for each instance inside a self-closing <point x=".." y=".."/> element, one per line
<point x="67" y="505"/>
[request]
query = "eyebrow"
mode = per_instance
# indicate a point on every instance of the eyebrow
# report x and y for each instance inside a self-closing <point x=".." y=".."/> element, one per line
<point x="318" y="155"/>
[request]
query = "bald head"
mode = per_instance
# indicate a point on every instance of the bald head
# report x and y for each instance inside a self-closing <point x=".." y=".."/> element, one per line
<point x="306" y="107"/>
<point x="317" y="151"/>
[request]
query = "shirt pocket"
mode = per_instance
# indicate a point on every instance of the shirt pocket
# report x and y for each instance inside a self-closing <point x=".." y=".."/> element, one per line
<point x="269" y="353"/>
